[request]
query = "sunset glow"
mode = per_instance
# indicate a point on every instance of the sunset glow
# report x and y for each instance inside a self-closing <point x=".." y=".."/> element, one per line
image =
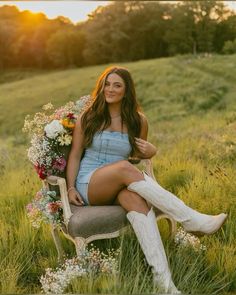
<point x="76" y="11"/>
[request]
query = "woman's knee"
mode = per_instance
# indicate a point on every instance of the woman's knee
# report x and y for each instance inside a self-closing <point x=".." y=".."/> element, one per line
<point x="127" y="169"/>
<point x="124" y="165"/>
<point x="131" y="201"/>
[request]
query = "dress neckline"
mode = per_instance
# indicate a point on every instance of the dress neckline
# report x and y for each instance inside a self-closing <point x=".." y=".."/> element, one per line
<point x="110" y="131"/>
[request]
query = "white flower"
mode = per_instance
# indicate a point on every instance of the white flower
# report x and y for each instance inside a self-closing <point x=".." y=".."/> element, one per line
<point x="53" y="129"/>
<point x="47" y="106"/>
<point x="64" y="139"/>
<point x="87" y="262"/>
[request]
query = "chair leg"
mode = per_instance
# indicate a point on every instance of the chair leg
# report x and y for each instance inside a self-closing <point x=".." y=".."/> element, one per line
<point x="57" y="241"/>
<point x="171" y="223"/>
<point x="80" y="245"/>
<point x="172" y="226"/>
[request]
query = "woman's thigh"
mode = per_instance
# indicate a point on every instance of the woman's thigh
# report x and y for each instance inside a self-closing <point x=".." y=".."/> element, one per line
<point x="106" y="182"/>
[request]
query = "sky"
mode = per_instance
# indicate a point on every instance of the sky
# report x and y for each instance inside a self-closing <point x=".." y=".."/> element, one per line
<point x="76" y="11"/>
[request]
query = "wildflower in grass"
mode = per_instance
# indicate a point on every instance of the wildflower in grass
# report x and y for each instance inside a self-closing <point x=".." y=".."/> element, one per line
<point x="184" y="239"/>
<point x="88" y="262"/>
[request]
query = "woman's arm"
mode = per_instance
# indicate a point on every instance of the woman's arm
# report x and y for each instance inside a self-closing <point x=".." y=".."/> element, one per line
<point x="74" y="163"/>
<point x="146" y="149"/>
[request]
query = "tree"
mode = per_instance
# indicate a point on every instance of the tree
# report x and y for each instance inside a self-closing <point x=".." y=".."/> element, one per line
<point x="65" y="48"/>
<point x="9" y="16"/>
<point x="229" y="47"/>
<point x="225" y="31"/>
<point x="181" y="31"/>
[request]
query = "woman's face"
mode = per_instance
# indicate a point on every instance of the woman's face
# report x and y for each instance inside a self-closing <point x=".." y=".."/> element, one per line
<point x="114" y="89"/>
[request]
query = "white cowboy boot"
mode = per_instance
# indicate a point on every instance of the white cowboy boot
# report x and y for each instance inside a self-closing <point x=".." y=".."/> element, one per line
<point x="146" y="230"/>
<point x="192" y="220"/>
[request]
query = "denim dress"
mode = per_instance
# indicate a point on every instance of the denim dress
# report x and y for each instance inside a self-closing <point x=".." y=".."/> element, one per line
<point x="107" y="147"/>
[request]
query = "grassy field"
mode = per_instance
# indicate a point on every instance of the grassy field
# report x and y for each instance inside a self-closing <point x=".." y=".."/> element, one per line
<point x="191" y="108"/>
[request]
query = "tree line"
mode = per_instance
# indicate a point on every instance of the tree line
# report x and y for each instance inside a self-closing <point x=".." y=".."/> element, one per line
<point x="122" y="31"/>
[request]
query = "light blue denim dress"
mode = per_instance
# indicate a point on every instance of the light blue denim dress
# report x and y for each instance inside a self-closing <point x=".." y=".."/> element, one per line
<point x="107" y="147"/>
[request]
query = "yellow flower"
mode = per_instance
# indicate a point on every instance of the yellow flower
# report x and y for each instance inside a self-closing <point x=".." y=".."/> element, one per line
<point x="66" y="123"/>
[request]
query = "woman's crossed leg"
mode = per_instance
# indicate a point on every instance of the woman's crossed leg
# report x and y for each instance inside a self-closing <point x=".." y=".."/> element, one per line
<point x="108" y="186"/>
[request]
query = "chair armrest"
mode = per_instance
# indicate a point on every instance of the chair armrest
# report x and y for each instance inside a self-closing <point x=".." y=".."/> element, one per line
<point x="61" y="182"/>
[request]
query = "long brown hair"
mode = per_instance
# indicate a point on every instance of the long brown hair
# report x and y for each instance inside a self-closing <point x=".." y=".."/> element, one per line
<point x="97" y="117"/>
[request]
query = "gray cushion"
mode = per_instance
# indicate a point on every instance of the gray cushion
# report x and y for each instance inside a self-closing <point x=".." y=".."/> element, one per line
<point x="92" y="220"/>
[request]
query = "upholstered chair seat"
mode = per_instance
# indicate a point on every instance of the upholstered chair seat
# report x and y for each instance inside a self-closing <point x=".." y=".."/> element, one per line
<point x="96" y="220"/>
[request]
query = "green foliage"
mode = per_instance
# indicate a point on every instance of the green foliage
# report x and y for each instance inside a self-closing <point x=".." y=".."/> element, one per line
<point x="64" y="48"/>
<point x="230" y="47"/>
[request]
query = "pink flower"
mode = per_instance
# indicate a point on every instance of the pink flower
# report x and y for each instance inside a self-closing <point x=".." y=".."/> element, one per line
<point x="29" y="207"/>
<point x="58" y="114"/>
<point x="59" y="164"/>
<point x="38" y="195"/>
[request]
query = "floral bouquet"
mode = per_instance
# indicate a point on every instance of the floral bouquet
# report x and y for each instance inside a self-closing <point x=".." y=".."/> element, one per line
<point x="51" y="136"/>
<point x="45" y="207"/>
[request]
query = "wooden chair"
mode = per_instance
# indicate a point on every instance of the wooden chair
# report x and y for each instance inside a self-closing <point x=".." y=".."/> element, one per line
<point x="84" y="224"/>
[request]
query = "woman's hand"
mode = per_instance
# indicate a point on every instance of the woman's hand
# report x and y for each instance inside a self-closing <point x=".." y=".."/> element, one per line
<point x="146" y="149"/>
<point x="74" y="197"/>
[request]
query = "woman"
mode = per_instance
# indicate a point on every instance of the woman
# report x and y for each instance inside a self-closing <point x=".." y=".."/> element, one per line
<point x="110" y="131"/>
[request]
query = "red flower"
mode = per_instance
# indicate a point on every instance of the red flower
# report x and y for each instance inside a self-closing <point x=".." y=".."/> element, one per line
<point x="71" y="116"/>
<point x="53" y="207"/>
<point x="41" y="171"/>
